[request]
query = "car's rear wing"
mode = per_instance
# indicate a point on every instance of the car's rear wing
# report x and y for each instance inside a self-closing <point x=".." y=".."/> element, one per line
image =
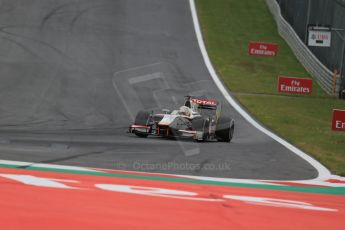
<point x="206" y="103"/>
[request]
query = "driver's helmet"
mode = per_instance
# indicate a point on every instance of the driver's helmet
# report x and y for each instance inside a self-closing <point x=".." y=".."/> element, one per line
<point x="194" y="107"/>
<point x="184" y="110"/>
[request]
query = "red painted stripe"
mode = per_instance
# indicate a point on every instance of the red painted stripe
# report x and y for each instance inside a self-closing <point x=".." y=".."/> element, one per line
<point x="336" y="181"/>
<point x="33" y="207"/>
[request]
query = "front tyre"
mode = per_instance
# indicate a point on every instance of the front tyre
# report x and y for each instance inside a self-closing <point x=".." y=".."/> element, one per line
<point x="142" y="118"/>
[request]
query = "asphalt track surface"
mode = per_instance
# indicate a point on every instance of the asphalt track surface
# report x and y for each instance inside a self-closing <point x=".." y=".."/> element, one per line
<point x="73" y="74"/>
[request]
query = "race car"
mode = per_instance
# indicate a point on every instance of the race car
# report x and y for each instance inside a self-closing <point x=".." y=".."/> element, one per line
<point x="199" y="118"/>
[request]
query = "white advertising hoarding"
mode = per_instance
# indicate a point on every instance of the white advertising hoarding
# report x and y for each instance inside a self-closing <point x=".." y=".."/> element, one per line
<point x="319" y="37"/>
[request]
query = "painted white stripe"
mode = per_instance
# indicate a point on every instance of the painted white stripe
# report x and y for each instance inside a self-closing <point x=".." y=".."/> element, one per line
<point x="323" y="172"/>
<point x="29" y="164"/>
<point x="15" y="163"/>
<point x="143" y="78"/>
<point x="76" y="168"/>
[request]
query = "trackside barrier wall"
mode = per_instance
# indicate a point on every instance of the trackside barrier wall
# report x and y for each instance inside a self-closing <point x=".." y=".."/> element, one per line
<point x="311" y="63"/>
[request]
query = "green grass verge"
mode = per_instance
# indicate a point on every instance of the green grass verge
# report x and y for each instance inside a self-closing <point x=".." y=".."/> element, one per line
<point x="305" y="121"/>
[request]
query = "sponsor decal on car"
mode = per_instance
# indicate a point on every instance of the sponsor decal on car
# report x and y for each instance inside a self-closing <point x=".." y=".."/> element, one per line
<point x="205" y="102"/>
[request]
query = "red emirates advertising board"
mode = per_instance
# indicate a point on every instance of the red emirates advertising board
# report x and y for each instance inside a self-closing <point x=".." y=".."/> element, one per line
<point x="294" y="85"/>
<point x="338" y="121"/>
<point x="262" y="49"/>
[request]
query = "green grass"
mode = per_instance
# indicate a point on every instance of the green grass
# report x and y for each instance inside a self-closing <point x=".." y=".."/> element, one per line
<point x="305" y="121"/>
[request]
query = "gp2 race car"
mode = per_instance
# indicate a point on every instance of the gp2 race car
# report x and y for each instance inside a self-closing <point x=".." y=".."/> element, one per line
<point x="199" y="119"/>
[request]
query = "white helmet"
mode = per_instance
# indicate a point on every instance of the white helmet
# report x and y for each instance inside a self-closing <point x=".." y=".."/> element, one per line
<point x="184" y="110"/>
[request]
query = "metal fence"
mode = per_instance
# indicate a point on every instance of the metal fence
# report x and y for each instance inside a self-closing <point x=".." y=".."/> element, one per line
<point x="293" y="18"/>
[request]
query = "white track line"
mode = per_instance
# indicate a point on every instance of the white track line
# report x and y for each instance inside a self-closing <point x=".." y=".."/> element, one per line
<point x="323" y="172"/>
<point x="40" y="165"/>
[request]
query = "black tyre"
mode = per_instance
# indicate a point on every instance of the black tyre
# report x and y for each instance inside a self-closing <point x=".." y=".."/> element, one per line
<point x="225" y="129"/>
<point x="142" y="118"/>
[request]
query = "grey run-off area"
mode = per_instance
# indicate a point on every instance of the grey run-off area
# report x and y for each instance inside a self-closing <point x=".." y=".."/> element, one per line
<point x="73" y="74"/>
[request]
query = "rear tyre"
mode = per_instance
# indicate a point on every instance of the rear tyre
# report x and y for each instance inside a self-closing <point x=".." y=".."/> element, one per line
<point x="225" y="129"/>
<point x="142" y="118"/>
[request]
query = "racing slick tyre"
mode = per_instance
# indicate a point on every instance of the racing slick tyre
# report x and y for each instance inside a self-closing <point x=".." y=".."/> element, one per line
<point x="225" y="129"/>
<point x="142" y="118"/>
<point x="201" y="124"/>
